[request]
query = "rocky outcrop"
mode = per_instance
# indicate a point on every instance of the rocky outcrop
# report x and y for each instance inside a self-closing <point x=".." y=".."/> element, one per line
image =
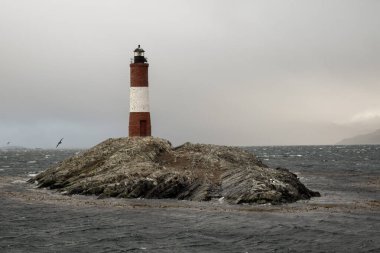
<point x="151" y="168"/>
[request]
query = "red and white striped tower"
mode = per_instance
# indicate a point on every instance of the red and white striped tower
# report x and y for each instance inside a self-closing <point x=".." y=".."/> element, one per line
<point x="139" y="115"/>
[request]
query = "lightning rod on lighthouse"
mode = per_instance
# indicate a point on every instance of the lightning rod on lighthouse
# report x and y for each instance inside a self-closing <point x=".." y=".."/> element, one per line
<point x="139" y="114"/>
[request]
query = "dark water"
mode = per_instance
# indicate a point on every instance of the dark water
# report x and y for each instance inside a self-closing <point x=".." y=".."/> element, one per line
<point x="345" y="219"/>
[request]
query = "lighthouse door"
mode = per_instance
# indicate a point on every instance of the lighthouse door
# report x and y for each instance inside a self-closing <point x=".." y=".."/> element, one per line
<point x="143" y="130"/>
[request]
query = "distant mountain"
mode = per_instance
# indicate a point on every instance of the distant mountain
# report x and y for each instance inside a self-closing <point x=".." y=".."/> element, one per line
<point x="371" y="138"/>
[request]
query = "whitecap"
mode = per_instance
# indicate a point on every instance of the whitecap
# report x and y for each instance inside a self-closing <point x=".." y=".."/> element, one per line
<point x="32" y="174"/>
<point x="32" y="162"/>
<point x="19" y="182"/>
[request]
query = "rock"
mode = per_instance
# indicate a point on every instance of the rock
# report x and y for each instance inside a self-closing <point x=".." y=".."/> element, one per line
<point x="148" y="167"/>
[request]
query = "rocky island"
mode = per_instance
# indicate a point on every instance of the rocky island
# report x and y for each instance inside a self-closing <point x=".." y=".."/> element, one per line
<point x="148" y="167"/>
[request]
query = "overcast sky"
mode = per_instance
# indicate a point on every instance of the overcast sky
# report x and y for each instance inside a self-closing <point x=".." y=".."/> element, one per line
<point x="223" y="72"/>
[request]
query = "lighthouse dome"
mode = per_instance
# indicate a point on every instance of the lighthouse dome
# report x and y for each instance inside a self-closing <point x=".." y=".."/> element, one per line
<point x="139" y="55"/>
<point x="139" y="50"/>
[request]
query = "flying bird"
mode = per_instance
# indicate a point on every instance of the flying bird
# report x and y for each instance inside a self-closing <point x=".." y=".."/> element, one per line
<point x="59" y="143"/>
<point x="8" y="142"/>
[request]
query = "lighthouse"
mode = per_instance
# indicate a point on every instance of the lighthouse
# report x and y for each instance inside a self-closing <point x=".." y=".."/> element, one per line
<point x="139" y="114"/>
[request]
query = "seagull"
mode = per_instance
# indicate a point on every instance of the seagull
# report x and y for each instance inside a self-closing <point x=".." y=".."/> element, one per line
<point x="60" y="142"/>
<point x="8" y="142"/>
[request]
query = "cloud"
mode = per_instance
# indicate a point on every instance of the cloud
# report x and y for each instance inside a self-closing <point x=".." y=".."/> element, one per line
<point x="365" y="117"/>
<point x="370" y="117"/>
<point x="362" y="122"/>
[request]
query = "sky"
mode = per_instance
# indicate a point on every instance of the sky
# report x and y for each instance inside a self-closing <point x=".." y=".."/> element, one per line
<point x="269" y="72"/>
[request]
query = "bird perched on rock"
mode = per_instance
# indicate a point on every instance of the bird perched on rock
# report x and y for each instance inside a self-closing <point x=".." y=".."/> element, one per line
<point x="59" y="143"/>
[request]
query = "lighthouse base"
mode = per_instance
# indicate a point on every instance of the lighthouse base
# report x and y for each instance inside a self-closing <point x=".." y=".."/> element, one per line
<point x="139" y="124"/>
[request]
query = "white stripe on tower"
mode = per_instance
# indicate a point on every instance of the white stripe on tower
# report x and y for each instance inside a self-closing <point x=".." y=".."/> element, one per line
<point x="139" y="99"/>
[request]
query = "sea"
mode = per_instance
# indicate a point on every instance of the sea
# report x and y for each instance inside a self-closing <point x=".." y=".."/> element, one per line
<point x="346" y="218"/>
